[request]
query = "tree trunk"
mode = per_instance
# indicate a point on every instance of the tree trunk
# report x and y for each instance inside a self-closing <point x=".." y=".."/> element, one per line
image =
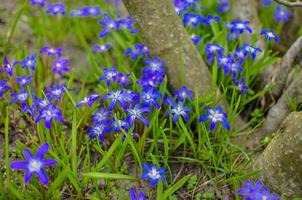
<point x="281" y="162"/>
<point x="166" y="37"/>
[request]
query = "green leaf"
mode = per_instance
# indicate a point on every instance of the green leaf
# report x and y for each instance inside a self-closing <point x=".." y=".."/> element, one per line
<point x="110" y="176"/>
<point x="175" y="187"/>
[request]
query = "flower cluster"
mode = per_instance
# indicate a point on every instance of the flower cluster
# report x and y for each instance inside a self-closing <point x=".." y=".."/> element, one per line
<point x="256" y="192"/>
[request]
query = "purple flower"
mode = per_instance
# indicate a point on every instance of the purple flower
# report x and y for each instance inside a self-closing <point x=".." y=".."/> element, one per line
<point x="40" y="103"/>
<point x="24" y="80"/>
<point x="61" y="66"/>
<point x="89" y="101"/>
<point x="257" y="191"/>
<point x="138" y="51"/>
<point x="133" y="196"/>
<point x="178" y="110"/>
<point x="150" y="80"/>
<point x="55" y="9"/>
<point x="3" y="87"/>
<point x="149" y="97"/>
<point x="55" y="92"/>
<point x="52" y="51"/>
<point x="282" y="15"/>
<point x="8" y="67"/>
<point x="153" y="174"/>
<point x="109" y="75"/>
<point x="48" y="113"/>
<point x="128" y="24"/>
<point x="270" y="35"/>
<point x="103" y="116"/>
<point x="183" y="94"/>
<point x="108" y="25"/>
<point x="137" y="113"/>
<point x="123" y="79"/>
<point x="34" y="164"/>
<point x="30" y="62"/>
<point x="22" y="97"/>
<point x="98" y="130"/>
<point x="266" y="3"/>
<point x="154" y="66"/>
<point x="27" y="109"/>
<point x="215" y="116"/>
<point x="94" y="11"/>
<point x="116" y="97"/>
<point x="40" y="3"/>
<point x="242" y="87"/>
<point x="101" y="49"/>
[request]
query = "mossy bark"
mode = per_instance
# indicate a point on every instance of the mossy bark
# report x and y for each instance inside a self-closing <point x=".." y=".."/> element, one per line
<point x="166" y="37"/>
<point x="281" y="162"/>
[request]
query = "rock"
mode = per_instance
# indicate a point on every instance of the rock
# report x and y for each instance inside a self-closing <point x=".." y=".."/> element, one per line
<point x="281" y="161"/>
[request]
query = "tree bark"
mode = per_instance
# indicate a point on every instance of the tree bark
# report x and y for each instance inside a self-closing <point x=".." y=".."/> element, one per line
<point x="165" y="36"/>
<point x="281" y="162"/>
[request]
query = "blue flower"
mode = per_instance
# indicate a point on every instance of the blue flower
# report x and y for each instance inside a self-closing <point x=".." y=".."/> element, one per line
<point x="123" y="79"/>
<point x="153" y="174"/>
<point x="22" y="97"/>
<point x="89" y="101"/>
<point x="215" y="116"/>
<point x="224" y="6"/>
<point x="119" y="124"/>
<point x="102" y="48"/>
<point x="149" y="97"/>
<point x="191" y="19"/>
<point x="233" y="67"/>
<point x="27" y="109"/>
<point x="152" y="80"/>
<point x="51" y="51"/>
<point x="207" y="20"/>
<point x="8" y="67"/>
<point x="282" y="15"/>
<point x="48" y="113"/>
<point x="30" y="62"/>
<point x="116" y="97"/>
<point x="94" y="11"/>
<point x="137" y="113"/>
<point x="24" y="80"/>
<point x="98" y="130"/>
<point x="133" y="196"/>
<point x="195" y="38"/>
<point x="180" y="6"/>
<point x="109" y="75"/>
<point x="184" y="94"/>
<point x="40" y="103"/>
<point x="270" y="35"/>
<point x="55" y="92"/>
<point x="212" y="50"/>
<point x="34" y="164"/>
<point x="257" y="191"/>
<point x="238" y="27"/>
<point x="223" y="61"/>
<point x="3" y="87"/>
<point x="154" y="65"/>
<point x="240" y="84"/>
<point x="138" y="51"/>
<point x="248" y="49"/>
<point x="103" y="116"/>
<point x="108" y="25"/>
<point x="61" y="66"/>
<point x="178" y="110"/>
<point x="55" y="9"/>
<point x="40" y="3"/>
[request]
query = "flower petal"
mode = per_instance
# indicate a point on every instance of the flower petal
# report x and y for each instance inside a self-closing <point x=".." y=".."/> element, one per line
<point x="42" y="150"/>
<point x="42" y="177"/>
<point x="19" y="165"/>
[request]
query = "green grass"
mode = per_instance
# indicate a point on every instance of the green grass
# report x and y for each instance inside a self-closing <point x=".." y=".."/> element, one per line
<point x="90" y="169"/>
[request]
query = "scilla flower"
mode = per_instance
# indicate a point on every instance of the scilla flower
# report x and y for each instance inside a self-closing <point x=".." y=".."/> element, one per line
<point x="153" y="174"/>
<point x="34" y="164"/>
<point x="215" y="116"/>
<point x="49" y="113"/>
